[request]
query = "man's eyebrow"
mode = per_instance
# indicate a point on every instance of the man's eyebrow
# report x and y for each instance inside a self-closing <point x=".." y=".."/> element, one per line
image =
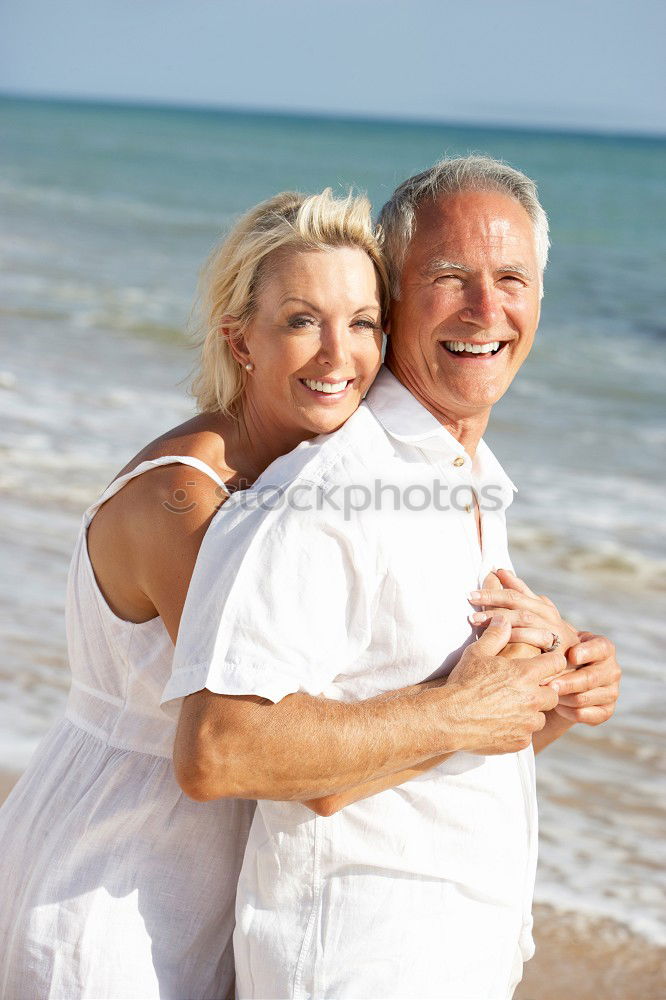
<point x="439" y="264"/>
<point x="515" y="269"/>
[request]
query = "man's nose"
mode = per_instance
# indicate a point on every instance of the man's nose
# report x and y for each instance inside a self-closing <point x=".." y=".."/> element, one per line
<point x="334" y="348"/>
<point x="482" y="305"/>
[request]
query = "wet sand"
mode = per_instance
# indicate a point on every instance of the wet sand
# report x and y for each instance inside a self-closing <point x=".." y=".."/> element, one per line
<point x="590" y="959"/>
<point x="576" y="958"/>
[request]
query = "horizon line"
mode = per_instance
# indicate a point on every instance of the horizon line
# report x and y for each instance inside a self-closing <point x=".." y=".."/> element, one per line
<point x="337" y="116"/>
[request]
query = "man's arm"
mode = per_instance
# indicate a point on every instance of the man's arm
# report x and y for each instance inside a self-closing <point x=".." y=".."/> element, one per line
<point x="593" y="691"/>
<point x="305" y="748"/>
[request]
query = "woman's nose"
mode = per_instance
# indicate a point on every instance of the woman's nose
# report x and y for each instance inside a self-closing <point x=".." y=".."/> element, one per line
<point x="334" y="348"/>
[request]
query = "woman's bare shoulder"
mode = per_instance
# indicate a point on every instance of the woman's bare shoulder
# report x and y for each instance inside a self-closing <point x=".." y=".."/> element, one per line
<point x="146" y="501"/>
<point x="200" y="437"/>
<point x="151" y="530"/>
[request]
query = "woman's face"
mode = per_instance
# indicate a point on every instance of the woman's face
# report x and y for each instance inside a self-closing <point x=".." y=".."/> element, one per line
<point x="314" y="340"/>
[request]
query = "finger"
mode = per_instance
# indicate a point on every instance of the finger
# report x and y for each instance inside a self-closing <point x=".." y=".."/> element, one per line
<point x="495" y="637"/>
<point x="511" y="599"/>
<point x="492" y="582"/>
<point x="542" y="638"/>
<point x="587" y="678"/>
<point x="524" y="618"/>
<point x="547" y="680"/>
<point x="545" y="666"/>
<point x="590" y="650"/>
<point x="591" y="699"/>
<point x="548" y="698"/>
<point x="588" y="716"/>
<point x="509" y="579"/>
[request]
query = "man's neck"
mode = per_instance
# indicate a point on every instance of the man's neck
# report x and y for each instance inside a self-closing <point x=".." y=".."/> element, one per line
<point x="467" y="428"/>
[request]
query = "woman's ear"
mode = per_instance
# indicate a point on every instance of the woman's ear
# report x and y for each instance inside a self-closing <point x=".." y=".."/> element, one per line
<point x="229" y="330"/>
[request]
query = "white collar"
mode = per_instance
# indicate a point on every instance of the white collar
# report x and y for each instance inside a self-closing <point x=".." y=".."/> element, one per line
<point x="406" y="420"/>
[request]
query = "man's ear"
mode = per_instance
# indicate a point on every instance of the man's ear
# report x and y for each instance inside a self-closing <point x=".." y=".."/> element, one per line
<point x="229" y="330"/>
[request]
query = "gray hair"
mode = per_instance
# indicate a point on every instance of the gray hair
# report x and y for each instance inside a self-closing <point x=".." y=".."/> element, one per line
<point x="448" y="177"/>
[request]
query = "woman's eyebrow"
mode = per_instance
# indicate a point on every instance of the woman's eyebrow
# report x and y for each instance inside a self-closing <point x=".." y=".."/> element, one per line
<point x="371" y="307"/>
<point x="303" y="302"/>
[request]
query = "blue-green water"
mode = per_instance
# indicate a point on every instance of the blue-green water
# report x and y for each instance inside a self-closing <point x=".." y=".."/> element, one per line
<point x="107" y="215"/>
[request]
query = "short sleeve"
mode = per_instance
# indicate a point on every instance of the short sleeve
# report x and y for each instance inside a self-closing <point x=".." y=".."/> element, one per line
<point x="279" y="602"/>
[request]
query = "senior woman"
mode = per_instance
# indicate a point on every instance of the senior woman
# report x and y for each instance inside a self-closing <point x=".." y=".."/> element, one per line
<point x="117" y="884"/>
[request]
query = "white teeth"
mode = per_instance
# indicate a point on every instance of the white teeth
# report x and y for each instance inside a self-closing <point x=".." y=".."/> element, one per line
<point x="328" y="387"/>
<point x="459" y="346"/>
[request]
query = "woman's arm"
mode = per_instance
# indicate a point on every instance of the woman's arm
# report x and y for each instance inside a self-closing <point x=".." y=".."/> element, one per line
<point x="327" y="805"/>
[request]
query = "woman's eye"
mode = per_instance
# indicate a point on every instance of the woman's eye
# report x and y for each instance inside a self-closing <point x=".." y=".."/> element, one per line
<point x="366" y="324"/>
<point x="300" y="321"/>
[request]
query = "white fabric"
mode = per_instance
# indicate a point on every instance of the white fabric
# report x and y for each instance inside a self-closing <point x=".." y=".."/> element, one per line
<point x="115" y="884"/>
<point x="424" y="890"/>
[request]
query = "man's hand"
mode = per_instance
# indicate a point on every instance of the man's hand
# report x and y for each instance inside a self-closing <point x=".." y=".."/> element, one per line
<point x="497" y="703"/>
<point x="590" y="694"/>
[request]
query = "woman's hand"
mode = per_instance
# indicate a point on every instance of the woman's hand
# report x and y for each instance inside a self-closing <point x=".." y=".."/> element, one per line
<point x="534" y="619"/>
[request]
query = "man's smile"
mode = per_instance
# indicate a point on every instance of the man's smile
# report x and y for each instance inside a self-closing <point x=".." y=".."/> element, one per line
<point x="465" y="350"/>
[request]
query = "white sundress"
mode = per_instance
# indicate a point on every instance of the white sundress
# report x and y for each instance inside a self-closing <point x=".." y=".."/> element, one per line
<point x="114" y="883"/>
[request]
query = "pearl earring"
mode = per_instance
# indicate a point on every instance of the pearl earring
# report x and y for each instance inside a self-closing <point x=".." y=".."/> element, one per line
<point x="249" y="367"/>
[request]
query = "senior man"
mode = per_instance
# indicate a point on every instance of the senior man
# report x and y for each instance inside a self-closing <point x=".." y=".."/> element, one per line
<point x="421" y="890"/>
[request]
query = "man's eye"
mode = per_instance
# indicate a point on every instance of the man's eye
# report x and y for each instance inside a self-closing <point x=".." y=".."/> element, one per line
<point x="448" y="277"/>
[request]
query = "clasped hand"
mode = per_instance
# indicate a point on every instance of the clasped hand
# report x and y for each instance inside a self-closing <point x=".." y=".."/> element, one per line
<point x="588" y="690"/>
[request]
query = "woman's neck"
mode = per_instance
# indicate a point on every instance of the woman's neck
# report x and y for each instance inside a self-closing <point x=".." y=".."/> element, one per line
<point x="252" y="443"/>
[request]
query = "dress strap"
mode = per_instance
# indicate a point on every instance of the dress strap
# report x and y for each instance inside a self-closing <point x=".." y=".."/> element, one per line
<point x="152" y="463"/>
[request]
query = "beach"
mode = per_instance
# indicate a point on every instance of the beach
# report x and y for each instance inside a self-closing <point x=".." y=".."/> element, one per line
<point x="590" y="959"/>
<point x="109" y="213"/>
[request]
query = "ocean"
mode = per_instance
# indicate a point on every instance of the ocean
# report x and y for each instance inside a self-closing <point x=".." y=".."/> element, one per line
<point x="108" y="213"/>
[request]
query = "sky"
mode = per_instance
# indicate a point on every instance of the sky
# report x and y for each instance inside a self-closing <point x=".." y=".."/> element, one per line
<point x="580" y="64"/>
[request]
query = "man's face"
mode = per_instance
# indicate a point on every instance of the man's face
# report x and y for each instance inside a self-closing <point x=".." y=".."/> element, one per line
<point x="470" y="278"/>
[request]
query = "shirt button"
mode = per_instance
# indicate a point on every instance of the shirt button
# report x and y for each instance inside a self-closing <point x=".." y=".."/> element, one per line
<point x="459" y="461"/>
<point x="468" y="508"/>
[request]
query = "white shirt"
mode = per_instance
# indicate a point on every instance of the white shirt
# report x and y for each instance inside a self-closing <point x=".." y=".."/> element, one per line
<point x="423" y="890"/>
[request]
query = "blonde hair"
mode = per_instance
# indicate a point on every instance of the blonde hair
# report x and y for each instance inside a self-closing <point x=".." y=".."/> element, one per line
<point x="231" y="277"/>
